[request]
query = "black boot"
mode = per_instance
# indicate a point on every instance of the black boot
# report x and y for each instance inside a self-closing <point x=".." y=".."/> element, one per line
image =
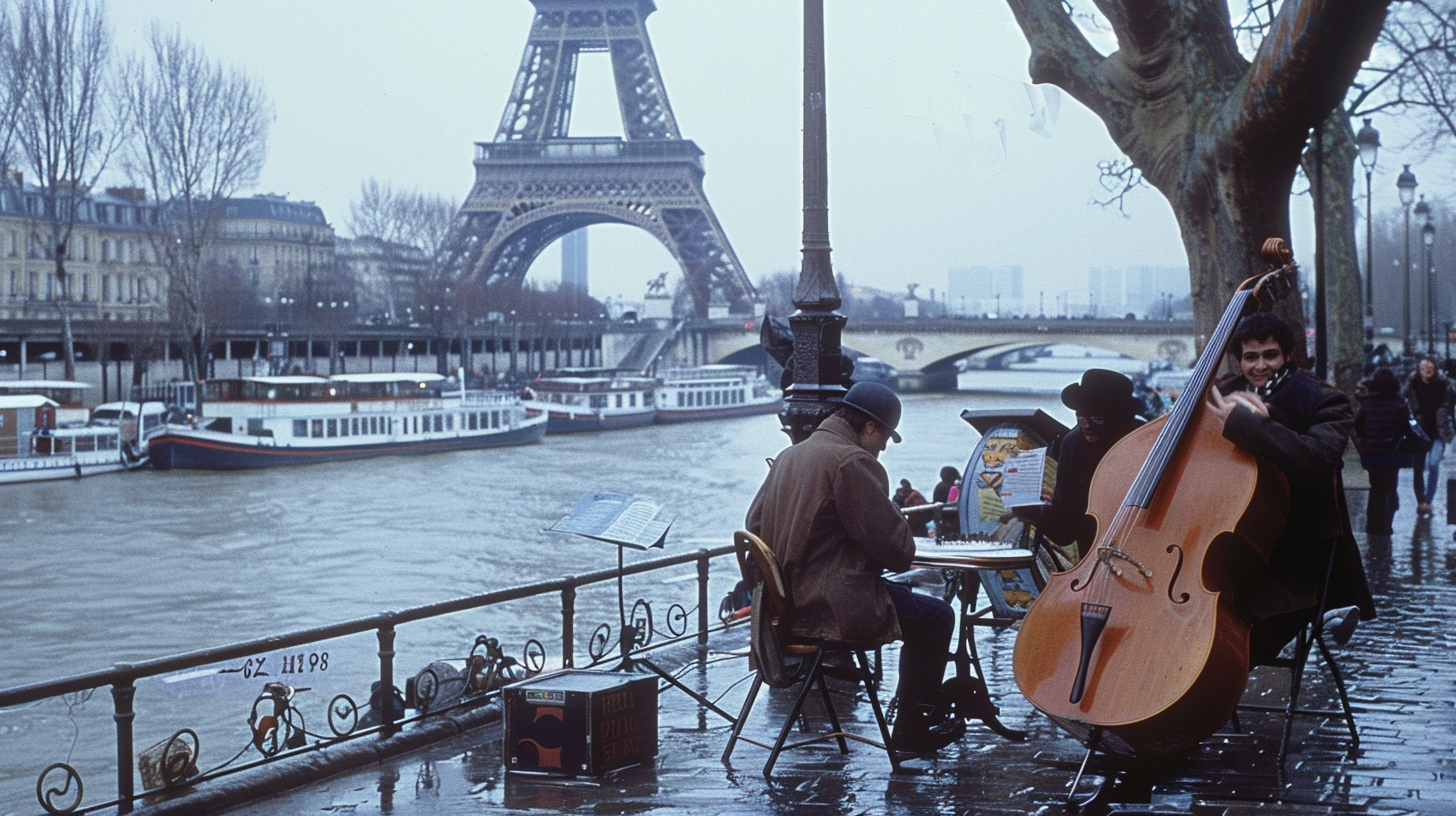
<point x="921" y="729"/>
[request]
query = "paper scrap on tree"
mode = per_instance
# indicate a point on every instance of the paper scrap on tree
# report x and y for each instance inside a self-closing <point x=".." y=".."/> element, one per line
<point x="617" y="518"/>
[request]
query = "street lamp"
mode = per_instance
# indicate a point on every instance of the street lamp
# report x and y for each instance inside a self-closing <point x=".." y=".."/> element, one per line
<point x="1428" y="241"/>
<point x="1406" y="184"/>
<point x="817" y="385"/>
<point x="1369" y="141"/>
<point x="1422" y="212"/>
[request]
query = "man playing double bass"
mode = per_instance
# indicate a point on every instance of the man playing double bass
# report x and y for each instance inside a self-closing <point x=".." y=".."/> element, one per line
<point x="1286" y="416"/>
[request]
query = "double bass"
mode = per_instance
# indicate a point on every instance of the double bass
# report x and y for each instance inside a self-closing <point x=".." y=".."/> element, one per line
<point x="1138" y="649"/>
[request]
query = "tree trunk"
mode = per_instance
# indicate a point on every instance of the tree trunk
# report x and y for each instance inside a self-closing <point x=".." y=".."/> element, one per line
<point x="63" y="305"/>
<point x="1344" y="300"/>
<point x="1224" y="219"/>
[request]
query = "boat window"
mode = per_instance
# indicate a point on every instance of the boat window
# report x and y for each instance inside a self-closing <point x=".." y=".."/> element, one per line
<point x="333" y="427"/>
<point x="473" y="421"/>
<point x="344" y="427"/>
<point x="449" y="422"/>
<point x="495" y="419"/>
<point x="300" y="427"/>
<point x="318" y="428"/>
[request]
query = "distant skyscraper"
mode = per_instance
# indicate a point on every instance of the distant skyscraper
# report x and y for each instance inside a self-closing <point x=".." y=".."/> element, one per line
<point x="975" y="290"/>
<point x="1105" y="292"/>
<point x="1150" y="288"/>
<point x="573" y="261"/>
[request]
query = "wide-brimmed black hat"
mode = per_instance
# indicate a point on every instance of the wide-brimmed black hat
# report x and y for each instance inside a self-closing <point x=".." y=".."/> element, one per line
<point x="876" y="402"/>
<point x="1102" y="393"/>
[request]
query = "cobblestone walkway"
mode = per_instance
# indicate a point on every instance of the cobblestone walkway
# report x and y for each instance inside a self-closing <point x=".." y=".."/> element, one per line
<point x="1401" y="669"/>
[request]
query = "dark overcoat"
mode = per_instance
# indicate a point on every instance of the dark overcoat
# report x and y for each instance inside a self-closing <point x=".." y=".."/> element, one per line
<point x="1304" y="436"/>
<point x="826" y="513"/>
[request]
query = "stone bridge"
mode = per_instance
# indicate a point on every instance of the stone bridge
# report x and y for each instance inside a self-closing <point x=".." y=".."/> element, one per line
<point x="930" y="352"/>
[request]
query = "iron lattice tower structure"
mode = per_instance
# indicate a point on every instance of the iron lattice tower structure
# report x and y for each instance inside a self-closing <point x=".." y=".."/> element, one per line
<point x="534" y="183"/>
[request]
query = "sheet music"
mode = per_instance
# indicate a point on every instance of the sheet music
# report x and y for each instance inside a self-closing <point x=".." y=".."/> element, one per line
<point x="616" y="518"/>
<point x="1023" y="477"/>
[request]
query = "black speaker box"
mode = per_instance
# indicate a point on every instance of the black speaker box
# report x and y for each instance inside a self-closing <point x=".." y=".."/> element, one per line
<point x="580" y="723"/>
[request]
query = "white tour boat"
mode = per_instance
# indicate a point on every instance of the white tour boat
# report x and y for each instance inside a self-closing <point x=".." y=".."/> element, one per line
<point x="253" y="422"/>
<point x="593" y="400"/>
<point x="714" y="392"/>
<point x="45" y="434"/>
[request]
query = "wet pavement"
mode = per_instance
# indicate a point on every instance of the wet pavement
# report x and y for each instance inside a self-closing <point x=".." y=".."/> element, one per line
<point x="1401" y="669"/>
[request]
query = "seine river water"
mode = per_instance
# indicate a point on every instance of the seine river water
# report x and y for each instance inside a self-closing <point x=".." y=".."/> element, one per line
<point x="132" y="566"/>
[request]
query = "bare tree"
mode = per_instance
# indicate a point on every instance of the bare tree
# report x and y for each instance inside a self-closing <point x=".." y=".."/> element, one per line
<point x="12" y="89"/>
<point x="412" y="227"/>
<point x="66" y="134"/>
<point x="1220" y="135"/>
<point x="776" y="290"/>
<point x="200" y="133"/>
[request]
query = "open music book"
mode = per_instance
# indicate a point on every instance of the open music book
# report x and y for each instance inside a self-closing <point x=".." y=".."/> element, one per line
<point x="616" y="518"/>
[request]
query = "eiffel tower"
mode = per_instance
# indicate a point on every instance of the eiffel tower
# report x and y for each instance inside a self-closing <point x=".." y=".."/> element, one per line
<point x="534" y="183"/>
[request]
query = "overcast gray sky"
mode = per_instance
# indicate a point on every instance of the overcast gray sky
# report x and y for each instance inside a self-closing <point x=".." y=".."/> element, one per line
<point x="941" y="152"/>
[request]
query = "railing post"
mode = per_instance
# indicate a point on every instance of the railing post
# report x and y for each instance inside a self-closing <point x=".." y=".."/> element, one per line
<point x="386" y="677"/>
<point x="702" y="599"/>
<point x="122" y="695"/>
<point x="568" y="622"/>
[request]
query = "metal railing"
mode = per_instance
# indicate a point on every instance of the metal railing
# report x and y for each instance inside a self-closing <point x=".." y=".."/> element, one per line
<point x="122" y="677"/>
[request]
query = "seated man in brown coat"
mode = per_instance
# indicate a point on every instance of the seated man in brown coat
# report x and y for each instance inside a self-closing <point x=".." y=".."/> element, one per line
<point x="825" y="511"/>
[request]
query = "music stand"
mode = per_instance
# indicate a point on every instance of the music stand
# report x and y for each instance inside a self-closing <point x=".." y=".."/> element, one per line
<point x="627" y="521"/>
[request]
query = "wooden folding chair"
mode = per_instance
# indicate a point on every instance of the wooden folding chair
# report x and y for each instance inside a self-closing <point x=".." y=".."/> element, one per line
<point x="782" y="662"/>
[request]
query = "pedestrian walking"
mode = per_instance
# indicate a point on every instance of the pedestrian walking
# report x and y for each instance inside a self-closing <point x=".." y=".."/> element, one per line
<point x="1379" y="424"/>
<point x="1430" y="397"/>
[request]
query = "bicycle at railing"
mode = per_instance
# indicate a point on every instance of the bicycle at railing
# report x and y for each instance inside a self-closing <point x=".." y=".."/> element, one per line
<point x="280" y="725"/>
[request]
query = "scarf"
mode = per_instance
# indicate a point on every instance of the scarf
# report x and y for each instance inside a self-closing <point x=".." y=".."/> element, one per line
<point x="1274" y="382"/>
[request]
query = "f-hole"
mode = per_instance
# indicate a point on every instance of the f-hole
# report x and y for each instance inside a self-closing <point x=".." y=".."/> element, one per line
<point x="1177" y="570"/>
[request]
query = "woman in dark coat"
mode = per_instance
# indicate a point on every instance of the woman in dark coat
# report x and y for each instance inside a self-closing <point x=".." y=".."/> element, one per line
<point x="1379" y="424"/>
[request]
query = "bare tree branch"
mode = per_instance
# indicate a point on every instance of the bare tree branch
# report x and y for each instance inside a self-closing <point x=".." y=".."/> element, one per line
<point x="200" y="136"/>
<point x="1062" y="56"/>
<point x="1288" y="89"/>
<point x="1118" y="177"/>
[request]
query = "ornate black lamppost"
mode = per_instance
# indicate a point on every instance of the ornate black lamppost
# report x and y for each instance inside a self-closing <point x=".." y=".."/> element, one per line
<point x="817" y="385"/>
<point x="1369" y="141"/>
<point x="1423" y="219"/>
<point x="1407" y="186"/>
<point x="1428" y="242"/>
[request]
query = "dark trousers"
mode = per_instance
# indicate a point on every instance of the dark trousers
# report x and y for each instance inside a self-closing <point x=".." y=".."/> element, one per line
<point x="926" y="624"/>
<point x="1428" y="471"/>
<point x="1384" y="498"/>
<point x="1268" y="637"/>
